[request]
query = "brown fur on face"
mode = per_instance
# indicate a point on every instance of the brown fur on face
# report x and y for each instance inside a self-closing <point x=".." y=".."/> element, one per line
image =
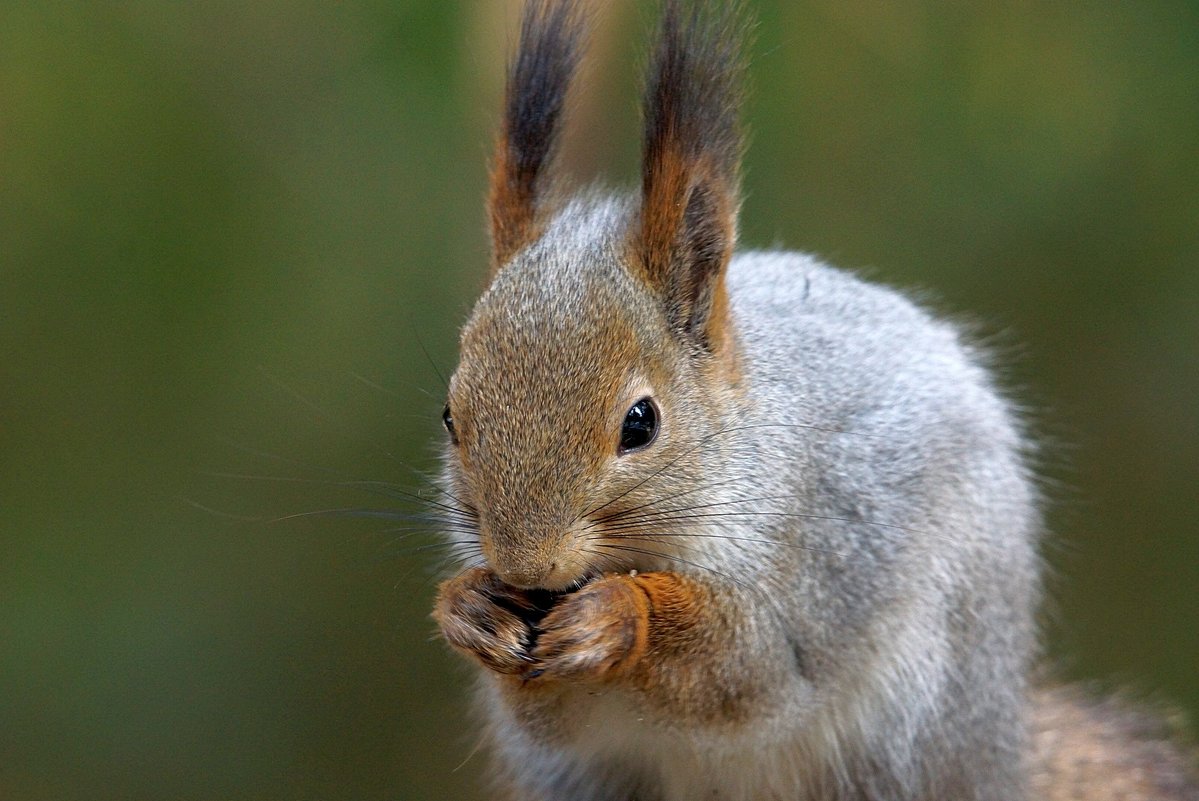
<point x="581" y="338"/>
<point x="538" y="441"/>
<point x="540" y="444"/>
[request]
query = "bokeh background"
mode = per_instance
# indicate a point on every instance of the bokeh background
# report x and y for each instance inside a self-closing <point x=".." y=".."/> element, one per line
<point x="237" y="238"/>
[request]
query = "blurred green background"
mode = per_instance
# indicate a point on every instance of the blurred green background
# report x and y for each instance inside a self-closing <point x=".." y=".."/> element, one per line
<point x="229" y="231"/>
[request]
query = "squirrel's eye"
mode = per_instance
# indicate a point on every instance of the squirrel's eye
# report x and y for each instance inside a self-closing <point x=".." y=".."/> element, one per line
<point x="448" y="420"/>
<point x="640" y="426"/>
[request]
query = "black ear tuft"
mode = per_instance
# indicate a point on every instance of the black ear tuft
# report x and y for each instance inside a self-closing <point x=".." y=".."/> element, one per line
<point x="690" y="175"/>
<point x="538" y="80"/>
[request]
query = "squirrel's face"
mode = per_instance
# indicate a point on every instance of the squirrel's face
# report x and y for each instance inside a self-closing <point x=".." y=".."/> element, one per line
<point x="572" y="402"/>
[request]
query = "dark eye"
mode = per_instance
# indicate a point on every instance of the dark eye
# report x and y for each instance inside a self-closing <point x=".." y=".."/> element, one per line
<point x="640" y="426"/>
<point x="448" y="420"/>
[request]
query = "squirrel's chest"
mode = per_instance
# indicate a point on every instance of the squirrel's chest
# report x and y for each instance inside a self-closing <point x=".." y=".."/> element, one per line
<point x="632" y="752"/>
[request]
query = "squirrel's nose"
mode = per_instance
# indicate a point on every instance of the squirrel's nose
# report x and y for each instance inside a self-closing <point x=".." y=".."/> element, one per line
<point x="556" y="571"/>
<point x="558" y="574"/>
<point x="520" y="567"/>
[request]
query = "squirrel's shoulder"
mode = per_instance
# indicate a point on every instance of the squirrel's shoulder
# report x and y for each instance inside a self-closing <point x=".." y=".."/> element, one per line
<point x="793" y="282"/>
<point x="863" y="349"/>
<point x="788" y="300"/>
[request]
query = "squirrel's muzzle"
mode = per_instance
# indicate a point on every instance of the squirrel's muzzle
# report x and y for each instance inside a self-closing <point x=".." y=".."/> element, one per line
<point x="534" y="562"/>
<point x="525" y="576"/>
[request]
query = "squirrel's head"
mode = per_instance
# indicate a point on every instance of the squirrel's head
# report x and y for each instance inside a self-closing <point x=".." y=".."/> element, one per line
<point x="602" y="350"/>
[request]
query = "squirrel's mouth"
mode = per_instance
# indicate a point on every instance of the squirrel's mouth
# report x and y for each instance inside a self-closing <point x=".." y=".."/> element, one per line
<point x="540" y="602"/>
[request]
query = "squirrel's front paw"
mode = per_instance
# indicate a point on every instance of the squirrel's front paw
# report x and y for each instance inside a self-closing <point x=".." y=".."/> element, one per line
<point x="597" y="632"/>
<point x="487" y="619"/>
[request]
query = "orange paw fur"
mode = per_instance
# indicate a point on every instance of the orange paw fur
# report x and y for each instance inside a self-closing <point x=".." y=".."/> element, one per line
<point x="598" y="632"/>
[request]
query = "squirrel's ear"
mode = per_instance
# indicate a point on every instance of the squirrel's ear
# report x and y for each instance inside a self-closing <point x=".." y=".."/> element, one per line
<point x="690" y="174"/>
<point x="538" y="79"/>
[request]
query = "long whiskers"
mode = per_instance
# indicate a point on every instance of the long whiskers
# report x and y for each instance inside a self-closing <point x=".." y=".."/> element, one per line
<point x="382" y="488"/>
<point x="707" y="439"/>
<point x="758" y="592"/>
<point x="743" y="515"/>
<point x="426" y="481"/>
<point x="671" y="558"/>
<point x="674" y="496"/>
<point x="662" y="534"/>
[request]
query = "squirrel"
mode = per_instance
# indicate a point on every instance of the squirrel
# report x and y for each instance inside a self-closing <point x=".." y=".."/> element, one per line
<point x="743" y="526"/>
